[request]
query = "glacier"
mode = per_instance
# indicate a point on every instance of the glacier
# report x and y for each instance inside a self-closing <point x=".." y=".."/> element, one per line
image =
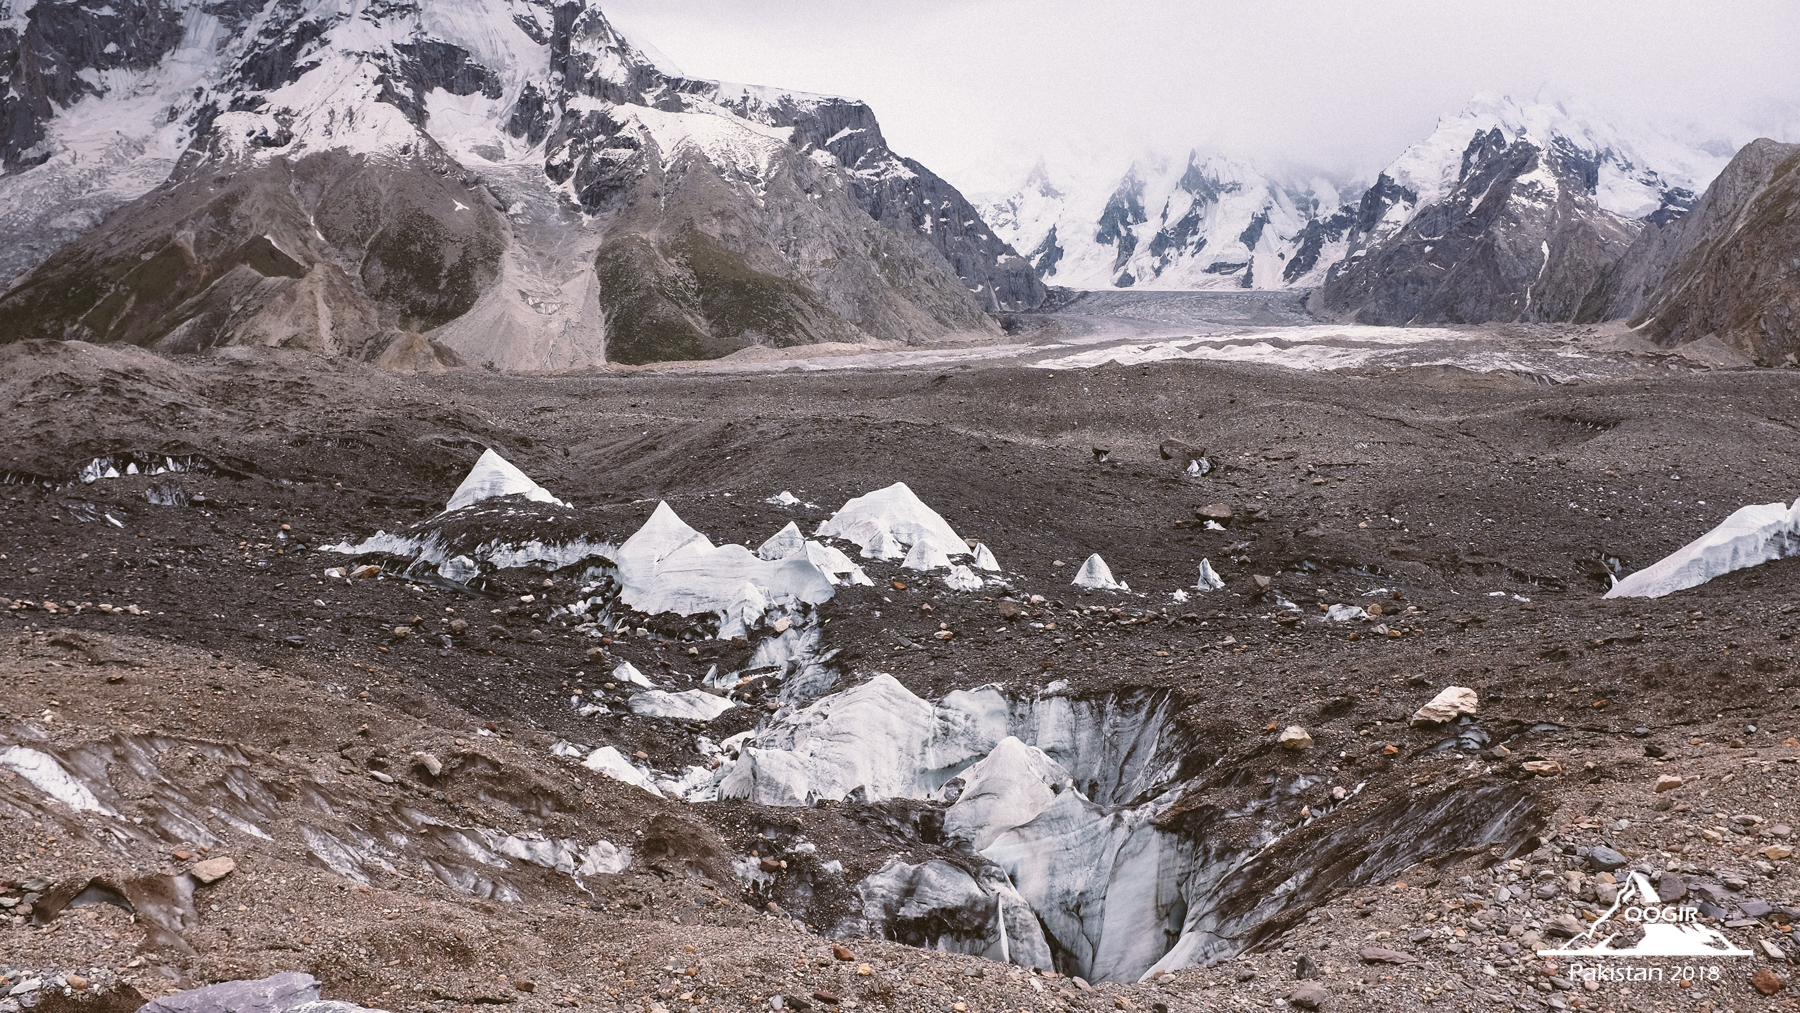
<point x="1750" y="536"/>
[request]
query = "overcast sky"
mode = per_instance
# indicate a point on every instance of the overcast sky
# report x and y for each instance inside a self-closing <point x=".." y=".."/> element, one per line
<point x="978" y="89"/>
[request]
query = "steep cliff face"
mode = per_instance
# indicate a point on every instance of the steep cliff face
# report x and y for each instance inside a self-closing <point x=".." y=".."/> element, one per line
<point x="1518" y="238"/>
<point x="1729" y="269"/>
<point x="487" y="177"/>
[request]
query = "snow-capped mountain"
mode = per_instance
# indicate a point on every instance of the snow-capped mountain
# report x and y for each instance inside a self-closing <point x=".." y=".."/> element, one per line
<point x="1198" y="221"/>
<point x="1455" y="228"/>
<point x="1508" y="211"/>
<point x="506" y="181"/>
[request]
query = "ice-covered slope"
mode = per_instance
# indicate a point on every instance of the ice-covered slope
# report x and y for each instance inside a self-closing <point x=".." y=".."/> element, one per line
<point x="1198" y="221"/>
<point x="1508" y="211"/>
<point x="511" y="179"/>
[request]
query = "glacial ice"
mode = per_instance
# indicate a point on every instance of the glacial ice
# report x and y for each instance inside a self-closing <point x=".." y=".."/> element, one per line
<point x="42" y="770"/>
<point x="460" y="569"/>
<point x="1752" y="535"/>
<point x="880" y="737"/>
<point x="1345" y="613"/>
<point x="783" y="544"/>
<point x="937" y="905"/>
<point x="627" y="673"/>
<point x="1063" y="796"/>
<point x="925" y="556"/>
<point x="1209" y="577"/>
<point x="898" y="512"/>
<point x="609" y="761"/>
<point x="669" y="567"/>
<point x="882" y="545"/>
<point x="692" y="705"/>
<point x="1108" y="887"/>
<point x="961" y="578"/>
<point x="832" y="562"/>
<point x="984" y="558"/>
<point x="494" y="476"/>
<point x="1007" y="788"/>
<point x="1094" y="573"/>
<point x="661" y="536"/>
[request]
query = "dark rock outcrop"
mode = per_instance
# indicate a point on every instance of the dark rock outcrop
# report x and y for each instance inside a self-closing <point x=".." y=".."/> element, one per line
<point x="1519" y="238"/>
<point x="1729" y="269"/>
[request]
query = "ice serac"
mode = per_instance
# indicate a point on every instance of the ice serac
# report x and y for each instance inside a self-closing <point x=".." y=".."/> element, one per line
<point x="783" y="544"/>
<point x="1507" y="212"/>
<point x="1007" y="788"/>
<point x="950" y="909"/>
<point x="925" y="556"/>
<point x="1094" y="573"/>
<point x="505" y="182"/>
<point x="1717" y="272"/>
<point x="897" y="513"/>
<point x="492" y="477"/>
<point x="1751" y="535"/>
<point x="667" y="566"/>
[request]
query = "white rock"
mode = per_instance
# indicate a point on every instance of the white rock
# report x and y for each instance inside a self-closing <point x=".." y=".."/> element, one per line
<point x="693" y="705"/>
<point x="1448" y="705"/>
<point x="1752" y="535"/>
<point x="1295" y="738"/>
<point x="898" y="512"/>
<point x="925" y="556"/>
<point x="783" y="498"/>
<point x="494" y="476"/>
<point x="1096" y="574"/>
<point x="1209" y="577"/>
<point x="783" y="544"/>
<point x="627" y="673"/>
<point x="1345" y="613"/>
<point x="984" y="558"/>
<point x="961" y="578"/>
<point x="609" y="761"/>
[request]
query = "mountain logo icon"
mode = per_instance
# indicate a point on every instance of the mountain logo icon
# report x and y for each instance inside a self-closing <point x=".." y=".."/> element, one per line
<point x="1668" y="930"/>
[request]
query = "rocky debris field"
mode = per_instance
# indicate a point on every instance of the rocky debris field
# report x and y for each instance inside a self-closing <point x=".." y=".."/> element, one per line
<point x="417" y="779"/>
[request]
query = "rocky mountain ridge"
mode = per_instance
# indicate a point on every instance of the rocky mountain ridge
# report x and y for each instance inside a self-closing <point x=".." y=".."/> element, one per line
<point x="1207" y="221"/>
<point x="1727" y="270"/>
<point x="510" y="182"/>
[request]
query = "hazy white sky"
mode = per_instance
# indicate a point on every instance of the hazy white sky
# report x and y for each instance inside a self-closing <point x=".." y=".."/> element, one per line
<point x="978" y="89"/>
